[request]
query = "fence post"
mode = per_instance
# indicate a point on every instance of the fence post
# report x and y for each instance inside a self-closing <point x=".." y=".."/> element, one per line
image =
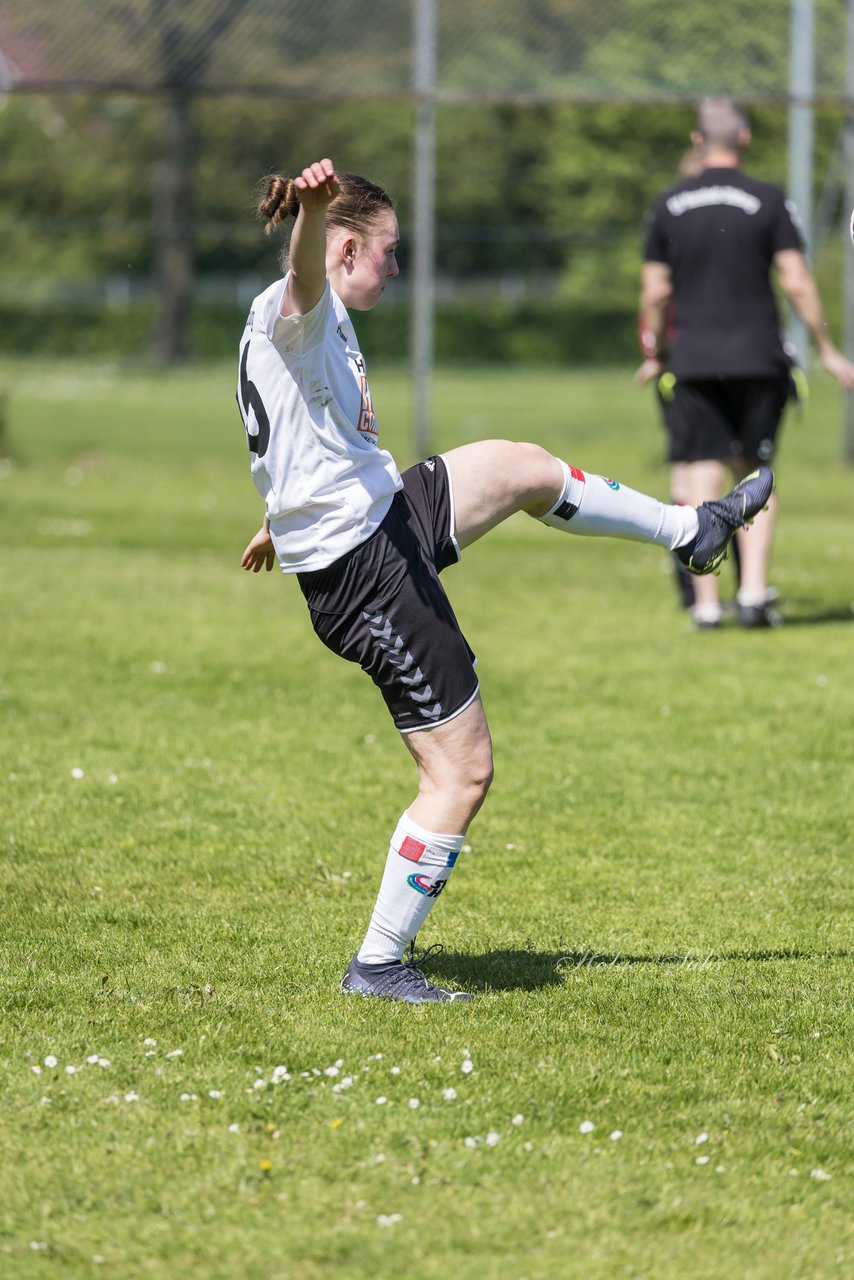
<point x="801" y="93"/>
<point x="424" y="222"/>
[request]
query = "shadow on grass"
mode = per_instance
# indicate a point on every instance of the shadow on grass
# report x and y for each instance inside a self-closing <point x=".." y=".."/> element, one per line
<point x="513" y="970"/>
<point x="812" y="617"/>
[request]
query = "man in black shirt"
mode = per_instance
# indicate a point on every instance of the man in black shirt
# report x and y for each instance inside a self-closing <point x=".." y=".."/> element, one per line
<point x="711" y="243"/>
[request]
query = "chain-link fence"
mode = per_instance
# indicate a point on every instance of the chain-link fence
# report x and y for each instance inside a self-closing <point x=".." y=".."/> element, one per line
<point x="134" y="132"/>
<point x="501" y="50"/>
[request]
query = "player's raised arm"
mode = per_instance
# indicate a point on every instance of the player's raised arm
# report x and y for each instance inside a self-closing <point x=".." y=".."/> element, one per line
<point x="306" y="199"/>
<point x="316" y="187"/>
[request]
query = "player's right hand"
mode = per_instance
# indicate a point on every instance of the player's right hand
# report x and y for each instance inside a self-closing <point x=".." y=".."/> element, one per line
<point x="259" y="553"/>
<point x="649" y="370"/>
<point x="317" y="185"/>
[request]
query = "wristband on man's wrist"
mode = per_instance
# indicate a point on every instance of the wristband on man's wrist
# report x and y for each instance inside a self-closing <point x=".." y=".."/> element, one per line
<point x="648" y="344"/>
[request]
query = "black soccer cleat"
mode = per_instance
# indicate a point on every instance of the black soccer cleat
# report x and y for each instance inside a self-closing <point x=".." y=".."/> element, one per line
<point x="719" y="520"/>
<point x="396" y="980"/>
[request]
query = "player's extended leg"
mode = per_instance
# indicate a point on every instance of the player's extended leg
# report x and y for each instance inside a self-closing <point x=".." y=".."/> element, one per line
<point x="454" y="773"/>
<point x="493" y="479"/>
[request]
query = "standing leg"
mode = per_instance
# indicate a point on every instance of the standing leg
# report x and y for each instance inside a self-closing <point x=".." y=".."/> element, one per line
<point x="454" y="773"/>
<point x="755" y="545"/>
<point x="705" y="482"/>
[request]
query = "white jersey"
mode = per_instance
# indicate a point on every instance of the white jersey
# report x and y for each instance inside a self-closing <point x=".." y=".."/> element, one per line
<point x="304" y="397"/>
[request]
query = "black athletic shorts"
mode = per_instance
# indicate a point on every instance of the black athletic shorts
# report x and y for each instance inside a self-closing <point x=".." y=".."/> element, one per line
<point x="724" y="418"/>
<point x="382" y="605"/>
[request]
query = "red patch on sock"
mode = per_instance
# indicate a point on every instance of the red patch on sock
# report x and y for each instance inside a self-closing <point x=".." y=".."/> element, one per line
<point x="576" y="474"/>
<point x="412" y="849"/>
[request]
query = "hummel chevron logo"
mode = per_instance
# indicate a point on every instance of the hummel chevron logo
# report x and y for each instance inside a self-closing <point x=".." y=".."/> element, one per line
<point x="401" y="660"/>
<point x="422" y="697"/>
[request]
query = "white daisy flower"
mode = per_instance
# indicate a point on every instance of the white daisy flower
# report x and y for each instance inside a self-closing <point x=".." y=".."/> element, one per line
<point x="467" y="1066"/>
<point x="701" y="1138"/>
<point x="413" y="1104"/>
<point x="449" y="1094"/>
<point x="586" y="1126"/>
<point x="493" y="1139"/>
<point x="519" y="1119"/>
<point x="50" y="1061"/>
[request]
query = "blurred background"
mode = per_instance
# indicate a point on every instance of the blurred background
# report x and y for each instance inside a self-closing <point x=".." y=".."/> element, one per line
<point x="523" y="141"/>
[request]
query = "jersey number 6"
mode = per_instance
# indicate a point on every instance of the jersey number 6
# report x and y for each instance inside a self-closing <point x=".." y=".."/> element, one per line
<point x="250" y="398"/>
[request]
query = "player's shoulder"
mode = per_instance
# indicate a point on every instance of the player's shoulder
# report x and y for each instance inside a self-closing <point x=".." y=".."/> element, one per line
<point x="768" y="192"/>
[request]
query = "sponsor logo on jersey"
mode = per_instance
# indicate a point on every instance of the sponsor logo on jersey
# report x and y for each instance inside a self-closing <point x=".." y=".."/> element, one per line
<point x="612" y="484"/>
<point x="703" y="197"/>
<point x="423" y="884"/>
<point x="366" y="424"/>
<point x="430" y="464"/>
<point x="412" y="849"/>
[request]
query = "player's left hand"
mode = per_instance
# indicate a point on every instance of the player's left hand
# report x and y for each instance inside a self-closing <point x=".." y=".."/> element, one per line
<point x="648" y="371"/>
<point x="259" y="553"/>
<point x="841" y="369"/>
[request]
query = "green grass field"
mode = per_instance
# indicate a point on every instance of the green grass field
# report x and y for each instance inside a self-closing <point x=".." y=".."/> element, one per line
<point x="196" y="799"/>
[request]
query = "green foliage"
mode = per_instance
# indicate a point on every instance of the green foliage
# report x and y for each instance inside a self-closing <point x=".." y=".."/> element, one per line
<point x="654" y="913"/>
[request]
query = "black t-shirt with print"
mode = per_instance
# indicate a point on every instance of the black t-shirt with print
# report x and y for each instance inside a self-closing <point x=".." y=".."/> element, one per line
<point x="718" y="233"/>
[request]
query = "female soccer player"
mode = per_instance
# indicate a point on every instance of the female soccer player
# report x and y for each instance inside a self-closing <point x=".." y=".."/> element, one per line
<point x="367" y="544"/>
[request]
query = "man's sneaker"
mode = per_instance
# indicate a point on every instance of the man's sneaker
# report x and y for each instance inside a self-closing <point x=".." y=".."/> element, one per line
<point x="396" y="980"/>
<point x="759" y="615"/>
<point x="719" y="520"/>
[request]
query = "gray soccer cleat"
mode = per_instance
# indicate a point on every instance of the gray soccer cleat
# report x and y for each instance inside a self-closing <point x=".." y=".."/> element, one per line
<point x="397" y="980"/>
<point x="719" y="520"/>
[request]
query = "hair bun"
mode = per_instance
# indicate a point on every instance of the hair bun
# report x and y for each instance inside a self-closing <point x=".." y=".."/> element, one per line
<point x="278" y="202"/>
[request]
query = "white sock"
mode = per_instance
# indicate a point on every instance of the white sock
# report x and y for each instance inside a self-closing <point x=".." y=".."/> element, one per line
<point x="754" y="599"/>
<point x="597" y="507"/>
<point x="417" y="869"/>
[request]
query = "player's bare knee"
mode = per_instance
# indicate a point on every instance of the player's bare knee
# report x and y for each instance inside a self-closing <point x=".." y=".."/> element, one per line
<point x="476" y="778"/>
<point x="540" y="472"/>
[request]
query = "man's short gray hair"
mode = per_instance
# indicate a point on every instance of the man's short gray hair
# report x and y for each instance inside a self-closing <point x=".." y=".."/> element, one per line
<point x="722" y="123"/>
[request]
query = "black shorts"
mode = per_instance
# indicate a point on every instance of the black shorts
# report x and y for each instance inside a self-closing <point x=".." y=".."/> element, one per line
<point x="724" y="418"/>
<point x="382" y="605"/>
